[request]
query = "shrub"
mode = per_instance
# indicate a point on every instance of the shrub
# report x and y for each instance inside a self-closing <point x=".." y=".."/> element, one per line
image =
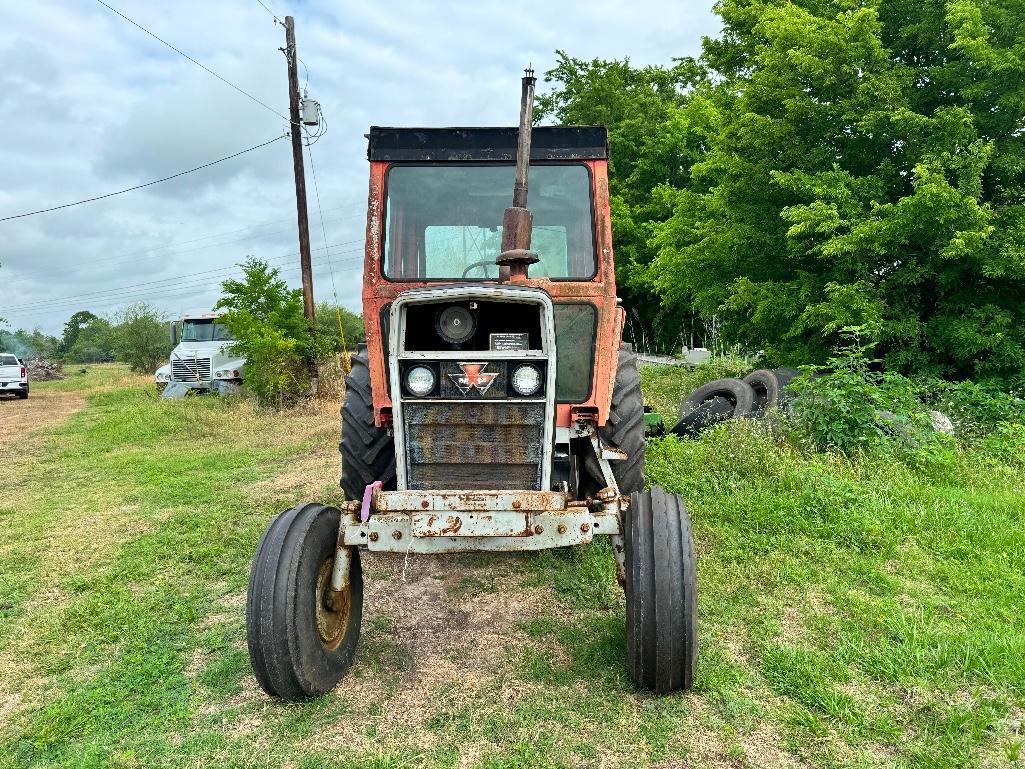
<point x="848" y="405"/>
<point x="976" y="410"/>
<point x="139" y="337"/>
<point x="266" y="318"/>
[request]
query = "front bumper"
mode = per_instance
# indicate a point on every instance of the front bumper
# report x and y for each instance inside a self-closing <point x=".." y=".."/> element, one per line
<point x="462" y="521"/>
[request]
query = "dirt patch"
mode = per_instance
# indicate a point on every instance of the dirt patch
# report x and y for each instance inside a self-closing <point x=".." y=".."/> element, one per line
<point x="41" y="409"/>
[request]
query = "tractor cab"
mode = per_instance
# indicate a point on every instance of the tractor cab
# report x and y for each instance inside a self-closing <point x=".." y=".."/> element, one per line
<point x="493" y="406"/>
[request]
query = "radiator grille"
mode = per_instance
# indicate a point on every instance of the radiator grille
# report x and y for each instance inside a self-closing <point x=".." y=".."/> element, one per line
<point x="474" y="445"/>
<point x="190" y="369"/>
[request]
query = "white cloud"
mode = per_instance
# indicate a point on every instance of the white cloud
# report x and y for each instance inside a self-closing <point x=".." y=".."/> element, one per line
<point x="91" y="104"/>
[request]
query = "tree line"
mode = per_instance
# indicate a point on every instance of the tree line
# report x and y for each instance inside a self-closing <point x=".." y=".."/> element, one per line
<point x="822" y="165"/>
<point x="264" y="315"/>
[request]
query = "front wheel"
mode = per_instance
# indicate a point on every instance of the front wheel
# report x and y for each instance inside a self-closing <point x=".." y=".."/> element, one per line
<point x="661" y="592"/>
<point x="301" y="639"/>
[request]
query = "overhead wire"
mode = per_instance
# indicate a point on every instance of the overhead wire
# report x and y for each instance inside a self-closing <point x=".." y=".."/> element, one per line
<point x="141" y="186"/>
<point x="168" y="279"/>
<point x="157" y="292"/>
<point x="198" y="64"/>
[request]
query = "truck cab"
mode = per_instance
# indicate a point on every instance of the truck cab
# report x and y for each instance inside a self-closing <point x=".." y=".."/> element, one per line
<point x="202" y="358"/>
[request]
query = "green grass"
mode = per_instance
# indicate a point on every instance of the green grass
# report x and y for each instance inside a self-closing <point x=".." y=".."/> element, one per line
<point x="854" y="612"/>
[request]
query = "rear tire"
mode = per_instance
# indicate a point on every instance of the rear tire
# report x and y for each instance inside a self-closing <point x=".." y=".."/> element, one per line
<point x="661" y="592"/>
<point x="299" y="647"/>
<point x="368" y="451"/>
<point x="624" y="429"/>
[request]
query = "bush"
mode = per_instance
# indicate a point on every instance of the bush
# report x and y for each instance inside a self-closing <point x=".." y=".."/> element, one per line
<point x="266" y="318"/>
<point x="849" y="406"/>
<point x="139" y="338"/>
<point x="976" y="410"/>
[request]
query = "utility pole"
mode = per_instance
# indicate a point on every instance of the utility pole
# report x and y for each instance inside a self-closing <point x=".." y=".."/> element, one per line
<point x="300" y="173"/>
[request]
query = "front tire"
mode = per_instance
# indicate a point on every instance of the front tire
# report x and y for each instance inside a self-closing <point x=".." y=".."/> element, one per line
<point x="661" y="592"/>
<point x="624" y="429"/>
<point x="300" y="646"/>
<point x="368" y="451"/>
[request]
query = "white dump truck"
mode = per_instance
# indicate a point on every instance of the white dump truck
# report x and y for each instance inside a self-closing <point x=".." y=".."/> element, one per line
<point x="201" y="359"/>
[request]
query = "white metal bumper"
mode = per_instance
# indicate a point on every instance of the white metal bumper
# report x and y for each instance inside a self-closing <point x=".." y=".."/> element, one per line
<point x="459" y="521"/>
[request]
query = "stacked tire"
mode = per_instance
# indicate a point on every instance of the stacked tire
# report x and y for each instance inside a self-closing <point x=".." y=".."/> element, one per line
<point x="731" y="398"/>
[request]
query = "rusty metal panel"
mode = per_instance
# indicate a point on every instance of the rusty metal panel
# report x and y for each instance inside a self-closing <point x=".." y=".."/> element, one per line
<point x="468" y="501"/>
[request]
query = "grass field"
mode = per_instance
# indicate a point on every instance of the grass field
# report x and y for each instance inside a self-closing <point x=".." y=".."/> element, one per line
<point x="857" y="613"/>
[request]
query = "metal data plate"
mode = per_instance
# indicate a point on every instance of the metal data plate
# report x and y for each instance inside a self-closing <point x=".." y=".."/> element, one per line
<point x="510" y="341"/>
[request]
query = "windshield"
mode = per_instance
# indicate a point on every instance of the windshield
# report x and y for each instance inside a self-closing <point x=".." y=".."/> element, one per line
<point x="444" y="222"/>
<point x="9" y="360"/>
<point x="204" y="331"/>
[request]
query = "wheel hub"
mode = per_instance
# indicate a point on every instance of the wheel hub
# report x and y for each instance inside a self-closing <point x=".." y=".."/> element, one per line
<point x="332" y="608"/>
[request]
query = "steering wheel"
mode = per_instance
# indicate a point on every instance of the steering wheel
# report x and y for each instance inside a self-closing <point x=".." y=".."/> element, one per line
<point x="483" y="265"/>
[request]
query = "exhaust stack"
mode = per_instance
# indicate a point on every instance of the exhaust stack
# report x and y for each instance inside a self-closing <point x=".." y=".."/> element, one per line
<point x="516" y="256"/>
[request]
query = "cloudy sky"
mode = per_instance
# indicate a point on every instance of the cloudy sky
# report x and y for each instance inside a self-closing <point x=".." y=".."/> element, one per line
<point x="89" y="104"/>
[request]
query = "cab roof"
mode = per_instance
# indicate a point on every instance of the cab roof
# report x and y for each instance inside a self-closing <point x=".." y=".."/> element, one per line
<point x="485" y="144"/>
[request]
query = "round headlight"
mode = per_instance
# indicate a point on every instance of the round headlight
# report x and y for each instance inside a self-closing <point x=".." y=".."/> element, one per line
<point x="420" y="380"/>
<point x="456" y="324"/>
<point x="526" y="380"/>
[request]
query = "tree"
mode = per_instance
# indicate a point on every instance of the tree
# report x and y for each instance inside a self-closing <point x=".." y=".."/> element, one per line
<point x="139" y="337"/>
<point x="327" y="327"/>
<point x="72" y="328"/>
<point x="266" y="318"/>
<point x="94" y="344"/>
<point x="843" y="164"/>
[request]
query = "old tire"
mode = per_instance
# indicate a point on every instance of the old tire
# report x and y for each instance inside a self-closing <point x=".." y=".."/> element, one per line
<point x="624" y="429"/>
<point x="368" y="451"/>
<point x="710" y="413"/>
<point x="661" y="592"/>
<point x="766" y="387"/>
<point x="737" y="392"/>
<point x="299" y="647"/>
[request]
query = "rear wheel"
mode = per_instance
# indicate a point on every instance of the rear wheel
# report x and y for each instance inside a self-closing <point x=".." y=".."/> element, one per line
<point x="368" y="451"/>
<point x="624" y="429"/>
<point x="661" y="592"/>
<point x="301" y="639"/>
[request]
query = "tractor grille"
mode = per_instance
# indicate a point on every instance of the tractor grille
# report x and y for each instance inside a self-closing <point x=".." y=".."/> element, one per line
<point x="190" y="369"/>
<point x="474" y="445"/>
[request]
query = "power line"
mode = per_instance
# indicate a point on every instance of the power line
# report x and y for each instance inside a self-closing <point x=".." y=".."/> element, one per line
<point x="269" y="11"/>
<point x="201" y="66"/>
<point x="140" y="186"/>
<point x="156" y="292"/>
<point x="169" y="279"/>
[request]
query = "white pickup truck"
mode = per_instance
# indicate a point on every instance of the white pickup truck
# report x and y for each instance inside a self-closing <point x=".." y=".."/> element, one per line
<point x="13" y="375"/>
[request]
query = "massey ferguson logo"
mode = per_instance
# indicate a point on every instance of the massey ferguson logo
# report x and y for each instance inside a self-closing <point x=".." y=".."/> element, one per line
<point x="473" y="377"/>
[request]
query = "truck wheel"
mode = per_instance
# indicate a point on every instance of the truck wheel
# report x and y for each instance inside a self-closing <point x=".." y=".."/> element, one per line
<point x="624" y="429"/>
<point x="23" y="394"/>
<point x="661" y="592"/>
<point x="368" y="451"/>
<point x="300" y="646"/>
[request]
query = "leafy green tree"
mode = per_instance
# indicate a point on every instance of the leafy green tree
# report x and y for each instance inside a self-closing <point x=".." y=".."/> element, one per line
<point x="94" y="343"/>
<point x="139" y="337"/>
<point x="266" y="318"/>
<point x="328" y="336"/>
<point x="72" y="328"/>
<point x="842" y="164"/>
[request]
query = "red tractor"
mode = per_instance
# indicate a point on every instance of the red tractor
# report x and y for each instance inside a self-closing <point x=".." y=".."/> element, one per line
<point x="494" y="406"/>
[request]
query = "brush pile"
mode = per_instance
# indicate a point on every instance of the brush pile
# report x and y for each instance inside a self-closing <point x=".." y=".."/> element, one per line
<point x="43" y="369"/>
